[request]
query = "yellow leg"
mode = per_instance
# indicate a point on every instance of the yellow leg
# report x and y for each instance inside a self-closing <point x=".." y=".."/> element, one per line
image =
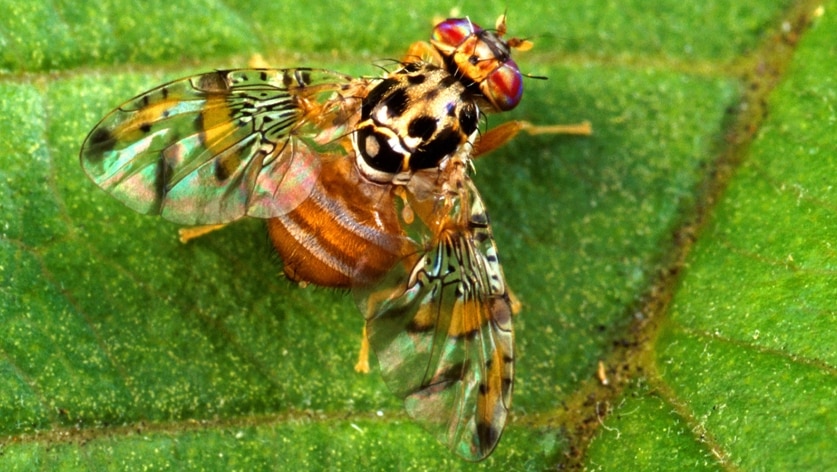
<point x="362" y="365"/>
<point x="500" y="135"/>
<point x="188" y="234"/>
<point x="257" y="62"/>
<point x="601" y="374"/>
<point x="579" y="129"/>
<point x="516" y="306"/>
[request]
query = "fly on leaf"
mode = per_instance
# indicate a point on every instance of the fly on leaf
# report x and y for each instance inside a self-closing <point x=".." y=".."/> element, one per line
<point x="364" y="184"/>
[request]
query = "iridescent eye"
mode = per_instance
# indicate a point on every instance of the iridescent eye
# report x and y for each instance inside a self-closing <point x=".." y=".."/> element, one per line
<point x="454" y="31"/>
<point x="504" y="86"/>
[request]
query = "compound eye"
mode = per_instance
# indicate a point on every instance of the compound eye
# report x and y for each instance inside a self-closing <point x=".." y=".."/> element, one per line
<point x="454" y="31"/>
<point x="504" y="87"/>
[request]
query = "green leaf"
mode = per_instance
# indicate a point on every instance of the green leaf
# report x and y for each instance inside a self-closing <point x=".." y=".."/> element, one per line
<point x="687" y="246"/>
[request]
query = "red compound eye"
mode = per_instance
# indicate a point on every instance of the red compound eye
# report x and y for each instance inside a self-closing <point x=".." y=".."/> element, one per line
<point x="480" y="57"/>
<point x="504" y="87"/>
<point x="454" y="31"/>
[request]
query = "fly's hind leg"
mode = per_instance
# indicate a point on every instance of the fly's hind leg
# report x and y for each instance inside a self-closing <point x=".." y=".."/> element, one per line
<point x="192" y="232"/>
<point x="514" y="302"/>
<point x="362" y="365"/>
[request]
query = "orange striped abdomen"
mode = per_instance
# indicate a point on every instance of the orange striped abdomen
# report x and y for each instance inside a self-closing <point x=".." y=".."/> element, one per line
<point x="346" y="233"/>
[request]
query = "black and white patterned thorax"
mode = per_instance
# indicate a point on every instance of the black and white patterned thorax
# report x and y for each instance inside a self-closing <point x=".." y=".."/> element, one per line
<point x="413" y="120"/>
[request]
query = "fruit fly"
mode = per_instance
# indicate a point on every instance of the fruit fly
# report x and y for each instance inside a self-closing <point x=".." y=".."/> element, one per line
<point x="364" y="184"/>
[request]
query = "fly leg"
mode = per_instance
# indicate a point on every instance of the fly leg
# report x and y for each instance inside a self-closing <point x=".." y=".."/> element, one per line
<point x="498" y="136"/>
<point x="362" y="365"/>
<point x="192" y="232"/>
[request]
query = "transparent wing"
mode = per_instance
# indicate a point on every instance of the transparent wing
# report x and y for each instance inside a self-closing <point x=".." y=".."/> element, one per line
<point x="211" y="148"/>
<point x="440" y="324"/>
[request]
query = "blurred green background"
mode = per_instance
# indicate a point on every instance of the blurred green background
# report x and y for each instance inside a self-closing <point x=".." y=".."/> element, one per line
<point x="688" y="246"/>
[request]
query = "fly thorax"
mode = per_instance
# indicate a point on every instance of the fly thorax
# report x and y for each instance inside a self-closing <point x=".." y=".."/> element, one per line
<point x="413" y="120"/>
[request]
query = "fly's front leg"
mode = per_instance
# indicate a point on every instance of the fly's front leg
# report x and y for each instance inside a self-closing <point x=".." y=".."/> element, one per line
<point x="498" y="136"/>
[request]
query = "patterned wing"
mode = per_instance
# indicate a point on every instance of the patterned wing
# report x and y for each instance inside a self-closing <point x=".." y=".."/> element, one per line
<point x="440" y="324"/>
<point x="211" y="148"/>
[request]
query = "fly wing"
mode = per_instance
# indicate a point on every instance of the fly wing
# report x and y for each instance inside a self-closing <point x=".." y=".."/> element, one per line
<point x="440" y="324"/>
<point x="212" y="148"/>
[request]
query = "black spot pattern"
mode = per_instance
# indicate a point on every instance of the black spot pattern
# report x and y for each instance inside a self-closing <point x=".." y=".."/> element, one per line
<point x="432" y="152"/>
<point x="381" y="157"/>
<point x="225" y="167"/>
<point x="162" y="179"/>
<point x="413" y="67"/>
<point x="422" y="127"/>
<point x="99" y="142"/>
<point x="199" y="125"/>
<point x="479" y="220"/>
<point x="375" y="96"/>
<point x="397" y="103"/>
<point x="442" y="379"/>
<point x="468" y="118"/>
<point x="214" y="82"/>
<point x="449" y="81"/>
<point x="287" y="80"/>
<point x="416" y="79"/>
<point x="487" y="433"/>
